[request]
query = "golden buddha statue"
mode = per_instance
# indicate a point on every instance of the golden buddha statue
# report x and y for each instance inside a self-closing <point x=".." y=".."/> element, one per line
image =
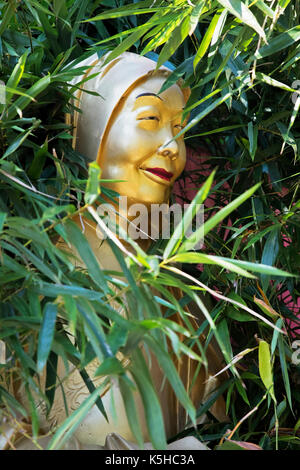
<point x="128" y="130"/>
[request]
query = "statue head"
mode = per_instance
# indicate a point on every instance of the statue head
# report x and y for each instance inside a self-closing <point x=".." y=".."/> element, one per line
<point x="129" y="128"/>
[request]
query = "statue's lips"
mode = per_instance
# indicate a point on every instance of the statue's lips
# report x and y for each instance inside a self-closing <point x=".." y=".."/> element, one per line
<point x="160" y="172"/>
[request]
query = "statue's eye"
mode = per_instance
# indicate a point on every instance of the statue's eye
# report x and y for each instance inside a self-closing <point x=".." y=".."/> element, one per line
<point x="149" y="118"/>
<point x="148" y="122"/>
<point x="178" y="128"/>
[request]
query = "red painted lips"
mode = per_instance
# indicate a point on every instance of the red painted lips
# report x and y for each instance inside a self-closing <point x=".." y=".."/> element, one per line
<point x="161" y="172"/>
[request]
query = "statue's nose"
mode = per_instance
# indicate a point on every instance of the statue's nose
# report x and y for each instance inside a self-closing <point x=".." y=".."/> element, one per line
<point x="169" y="148"/>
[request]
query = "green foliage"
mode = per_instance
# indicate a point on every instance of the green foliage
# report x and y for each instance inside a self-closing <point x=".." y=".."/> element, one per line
<point x="241" y="61"/>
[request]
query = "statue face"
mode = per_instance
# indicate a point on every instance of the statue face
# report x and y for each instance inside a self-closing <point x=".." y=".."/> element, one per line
<point x="137" y="148"/>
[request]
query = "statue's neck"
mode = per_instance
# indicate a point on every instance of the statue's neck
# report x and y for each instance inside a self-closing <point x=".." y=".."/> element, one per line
<point x="127" y="217"/>
<point x="134" y="219"/>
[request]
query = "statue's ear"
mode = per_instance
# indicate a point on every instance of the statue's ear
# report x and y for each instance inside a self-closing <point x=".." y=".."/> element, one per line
<point x="186" y="93"/>
<point x="185" y="90"/>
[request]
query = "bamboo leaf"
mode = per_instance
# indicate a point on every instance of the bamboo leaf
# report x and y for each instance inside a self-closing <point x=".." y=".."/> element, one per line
<point x="46" y="335"/>
<point x="6" y="397"/>
<point x="235" y="359"/>
<point x="67" y="428"/>
<point x="170" y="371"/>
<point x="269" y="254"/>
<point x="36" y="167"/>
<point x="207" y="38"/>
<point x="110" y="366"/>
<point x="126" y="44"/>
<point x="265" y="367"/>
<point x="242" y="12"/>
<point x="94" y="330"/>
<point x="217" y="218"/>
<point x="186" y="221"/>
<point x="70" y="305"/>
<point x="2" y="220"/>
<point x="271" y="81"/>
<point x="282" y="41"/>
<point x="213" y="397"/>
<point x="231" y="445"/>
<point x="13" y="265"/>
<point x="252" y="134"/>
<point x="258" y="236"/>
<point x="153" y="413"/>
<point x="260" y="268"/>
<point x="162" y="33"/>
<point x="288" y="138"/>
<point x="8" y="13"/>
<point x="33" y="412"/>
<point x="216" y="36"/>
<point x="294" y="114"/>
<point x="33" y="91"/>
<point x="204" y="113"/>
<point x="82" y="246"/>
<point x="210" y="259"/>
<point x="52" y="290"/>
<point x="139" y="8"/>
<point x="178" y="36"/>
<point x="131" y="412"/>
<point x="92" y="190"/>
<point x="37" y="262"/>
<point x="195" y="15"/>
<point x="19" y="140"/>
<point x="16" y="75"/>
<point x="267" y="309"/>
<point x="284" y="370"/>
<point x="265" y="8"/>
<point x="51" y="375"/>
<point x="213" y="221"/>
<point x="216" y="294"/>
<point x="275" y="337"/>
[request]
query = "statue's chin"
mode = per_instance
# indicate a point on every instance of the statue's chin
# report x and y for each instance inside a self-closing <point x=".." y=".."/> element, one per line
<point x="153" y="193"/>
<point x="139" y="185"/>
<point x="128" y="199"/>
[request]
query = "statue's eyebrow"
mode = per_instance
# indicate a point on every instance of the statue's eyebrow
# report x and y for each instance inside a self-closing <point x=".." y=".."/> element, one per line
<point x="149" y="94"/>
